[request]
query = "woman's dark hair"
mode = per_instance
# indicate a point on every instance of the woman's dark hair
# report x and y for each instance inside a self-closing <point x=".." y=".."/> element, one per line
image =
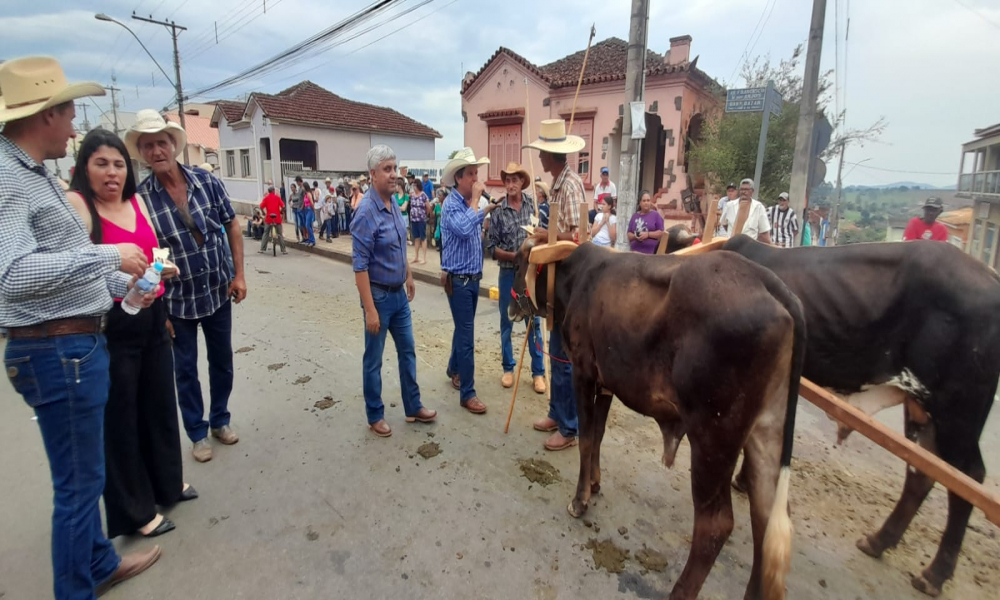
<point x="613" y="201"/>
<point x="80" y="183"/>
<point x="305" y="186"/>
<point x="643" y="193"/>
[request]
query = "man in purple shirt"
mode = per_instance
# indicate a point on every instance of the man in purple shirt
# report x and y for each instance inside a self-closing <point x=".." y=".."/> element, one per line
<point x="378" y="235"/>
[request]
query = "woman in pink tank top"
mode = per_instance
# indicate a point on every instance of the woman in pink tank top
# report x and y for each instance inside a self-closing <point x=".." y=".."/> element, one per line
<point x="141" y="435"/>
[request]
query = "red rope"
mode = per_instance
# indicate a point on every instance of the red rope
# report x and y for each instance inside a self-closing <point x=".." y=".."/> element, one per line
<point x="538" y="345"/>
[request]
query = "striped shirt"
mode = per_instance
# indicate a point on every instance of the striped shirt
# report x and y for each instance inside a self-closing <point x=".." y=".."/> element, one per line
<point x="784" y="226"/>
<point x="505" y="231"/>
<point x="202" y="286"/>
<point x="378" y="241"/>
<point x="461" y="231"/>
<point x="49" y="269"/>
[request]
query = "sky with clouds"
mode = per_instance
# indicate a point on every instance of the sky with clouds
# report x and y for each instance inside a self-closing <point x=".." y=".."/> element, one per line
<point x="927" y="66"/>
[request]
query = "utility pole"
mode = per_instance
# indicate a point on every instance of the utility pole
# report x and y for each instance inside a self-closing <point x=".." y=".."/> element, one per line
<point x="635" y="80"/>
<point x="831" y="239"/>
<point x="175" y="30"/>
<point x="86" y="121"/>
<point x="114" y="101"/>
<point x="802" y="160"/>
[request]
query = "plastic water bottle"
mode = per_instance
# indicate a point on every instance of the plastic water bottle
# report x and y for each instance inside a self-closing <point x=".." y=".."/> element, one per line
<point x="132" y="302"/>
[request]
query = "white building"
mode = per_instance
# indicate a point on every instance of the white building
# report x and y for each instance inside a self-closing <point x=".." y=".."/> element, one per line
<point x="307" y="128"/>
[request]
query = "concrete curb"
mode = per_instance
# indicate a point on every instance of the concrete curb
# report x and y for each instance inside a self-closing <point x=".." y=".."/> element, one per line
<point x="345" y="257"/>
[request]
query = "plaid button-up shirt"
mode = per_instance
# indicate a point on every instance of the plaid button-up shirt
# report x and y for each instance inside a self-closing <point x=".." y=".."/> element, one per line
<point x="49" y="269"/>
<point x="202" y="286"/>
<point x="568" y="194"/>
<point x="505" y="227"/>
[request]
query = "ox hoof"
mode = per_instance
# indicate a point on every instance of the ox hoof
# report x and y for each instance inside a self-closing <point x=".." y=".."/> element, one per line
<point x="595" y="488"/>
<point x="866" y="545"/>
<point x="924" y="585"/>
<point x="576" y="509"/>
<point x="739" y="485"/>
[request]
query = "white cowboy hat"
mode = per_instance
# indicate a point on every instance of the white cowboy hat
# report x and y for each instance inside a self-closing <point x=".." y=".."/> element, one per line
<point x="552" y="138"/>
<point x="463" y="158"/>
<point x="148" y="120"/>
<point x="32" y="84"/>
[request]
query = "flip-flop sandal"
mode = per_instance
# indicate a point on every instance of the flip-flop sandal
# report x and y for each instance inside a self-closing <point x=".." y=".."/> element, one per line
<point x="479" y="409"/>
<point x="568" y="444"/>
<point x="418" y="419"/>
<point x="383" y="433"/>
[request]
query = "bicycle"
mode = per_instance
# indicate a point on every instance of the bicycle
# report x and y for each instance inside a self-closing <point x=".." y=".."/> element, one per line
<point x="271" y="233"/>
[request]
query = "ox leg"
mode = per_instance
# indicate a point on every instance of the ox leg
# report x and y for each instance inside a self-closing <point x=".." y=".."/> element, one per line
<point x="585" y="405"/>
<point x="915" y="490"/>
<point x="740" y="484"/>
<point x="713" y="461"/>
<point x="601" y="408"/>
<point x="942" y="567"/>
<point x="761" y="466"/>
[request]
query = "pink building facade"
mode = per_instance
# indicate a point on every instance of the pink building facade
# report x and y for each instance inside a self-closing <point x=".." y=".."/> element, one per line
<point x="496" y="102"/>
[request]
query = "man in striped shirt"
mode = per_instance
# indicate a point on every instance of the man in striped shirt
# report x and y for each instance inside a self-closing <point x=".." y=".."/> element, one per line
<point x="462" y="261"/>
<point x="784" y="223"/>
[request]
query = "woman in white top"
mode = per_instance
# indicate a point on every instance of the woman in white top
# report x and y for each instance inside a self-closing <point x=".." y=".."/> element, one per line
<point x="604" y="231"/>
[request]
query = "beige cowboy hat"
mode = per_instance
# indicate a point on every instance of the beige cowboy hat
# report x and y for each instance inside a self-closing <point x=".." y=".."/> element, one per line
<point x="552" y="138"/>
<point x="32" y="84"/>
<point x="515" y="169"/>
<point x="148" y="120"/>
<point x="463" y="158"/>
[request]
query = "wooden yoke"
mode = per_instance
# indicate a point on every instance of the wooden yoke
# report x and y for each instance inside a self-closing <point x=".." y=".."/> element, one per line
<point x="741" y="218"/>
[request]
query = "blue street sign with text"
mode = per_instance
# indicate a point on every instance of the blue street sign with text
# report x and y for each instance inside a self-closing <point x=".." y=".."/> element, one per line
<point x="746" y="100"/>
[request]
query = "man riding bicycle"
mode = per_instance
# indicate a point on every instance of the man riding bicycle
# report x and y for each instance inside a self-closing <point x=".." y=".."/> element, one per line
<point x="272" y="207"/>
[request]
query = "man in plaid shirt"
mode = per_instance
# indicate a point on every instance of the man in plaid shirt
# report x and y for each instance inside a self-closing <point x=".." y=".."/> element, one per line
<point x="567" y="196"/>
<point x="192" y="216"/>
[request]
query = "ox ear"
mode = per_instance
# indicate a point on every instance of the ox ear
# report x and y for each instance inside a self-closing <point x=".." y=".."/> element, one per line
<point x="530" y="278"/>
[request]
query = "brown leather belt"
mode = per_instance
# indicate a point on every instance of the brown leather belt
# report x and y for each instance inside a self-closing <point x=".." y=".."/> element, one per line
<point x="58" y="327"/>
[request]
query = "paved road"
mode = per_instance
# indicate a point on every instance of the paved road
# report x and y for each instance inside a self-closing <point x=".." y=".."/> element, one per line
<point x="310" y="505"/>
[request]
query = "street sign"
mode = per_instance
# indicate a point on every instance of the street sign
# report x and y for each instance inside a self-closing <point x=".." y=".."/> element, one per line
<point x="746" y="100"/>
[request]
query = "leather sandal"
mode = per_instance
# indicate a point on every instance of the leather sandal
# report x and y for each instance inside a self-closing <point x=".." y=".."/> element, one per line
<point x="381" y="428"/>
<point x="424" y="415"/>
<point x="474" y="406"/>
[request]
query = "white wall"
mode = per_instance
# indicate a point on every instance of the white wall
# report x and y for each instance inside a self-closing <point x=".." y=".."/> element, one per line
<point x="336" y="150"/>
<point x="406" y="148"/>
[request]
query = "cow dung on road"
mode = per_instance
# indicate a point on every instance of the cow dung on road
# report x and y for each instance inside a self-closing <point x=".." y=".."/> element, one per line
<point x="539" y="471"/>
<point x="607" y="555"/>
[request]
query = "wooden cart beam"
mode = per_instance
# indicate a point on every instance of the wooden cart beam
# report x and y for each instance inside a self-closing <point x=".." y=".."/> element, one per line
<point x="929" y="464"/>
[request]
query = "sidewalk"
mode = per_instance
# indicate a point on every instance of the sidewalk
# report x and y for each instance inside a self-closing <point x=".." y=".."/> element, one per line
<point x="340" y="249"/>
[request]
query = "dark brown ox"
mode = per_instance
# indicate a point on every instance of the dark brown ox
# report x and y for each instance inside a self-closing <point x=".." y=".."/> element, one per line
<point x="711" y="347"/>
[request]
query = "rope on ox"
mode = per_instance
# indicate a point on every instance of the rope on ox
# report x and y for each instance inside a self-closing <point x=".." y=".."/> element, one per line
<point x="552" y="238"/>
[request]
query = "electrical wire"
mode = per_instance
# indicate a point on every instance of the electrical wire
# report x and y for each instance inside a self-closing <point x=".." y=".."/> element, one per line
<point x="864" y="166"/>
<point x="978" y="14"/>
<point x="743" y="56"/>
<point x="226" y="32"/>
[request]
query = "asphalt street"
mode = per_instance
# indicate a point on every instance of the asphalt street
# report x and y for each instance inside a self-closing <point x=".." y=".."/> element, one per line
<point x="311" y="505"/>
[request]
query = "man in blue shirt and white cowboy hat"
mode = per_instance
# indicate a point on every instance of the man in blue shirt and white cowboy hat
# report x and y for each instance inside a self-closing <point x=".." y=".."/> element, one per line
<point x="462" y="262"/>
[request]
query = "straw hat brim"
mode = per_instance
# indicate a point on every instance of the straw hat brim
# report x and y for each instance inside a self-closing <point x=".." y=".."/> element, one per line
<point x="172" y="129"/>
<point x="448" y="174"/>
<point x="569" y="145"/>
<point x="70" y="92"/>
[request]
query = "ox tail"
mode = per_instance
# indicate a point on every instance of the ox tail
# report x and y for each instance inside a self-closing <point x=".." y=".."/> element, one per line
<point x="777" y="556"/>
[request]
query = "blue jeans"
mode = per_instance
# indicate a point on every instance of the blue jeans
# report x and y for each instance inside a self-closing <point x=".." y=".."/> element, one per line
<point x="463" y="302"/>
<point x="394" y="317"/>
<point x="562" y="406"/>
<point x="298" y="223"/>
<point x="65" y="380"/>
<point x="218" y="330"/>
<point x="308" y="218"/>
<point x="343" y="221"/>
<point x="506" y="282"/>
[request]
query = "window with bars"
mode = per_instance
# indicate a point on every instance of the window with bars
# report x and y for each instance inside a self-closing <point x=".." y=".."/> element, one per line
<point x="505" y="147"/>
<point x="245" y="164"/>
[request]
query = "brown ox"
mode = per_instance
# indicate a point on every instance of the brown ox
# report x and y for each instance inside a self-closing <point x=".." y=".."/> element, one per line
<point x="710" y="347"/>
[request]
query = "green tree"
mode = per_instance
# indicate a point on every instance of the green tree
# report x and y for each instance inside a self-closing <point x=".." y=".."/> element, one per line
<point x="728" y="150"/>
<point x="452" y="155"/>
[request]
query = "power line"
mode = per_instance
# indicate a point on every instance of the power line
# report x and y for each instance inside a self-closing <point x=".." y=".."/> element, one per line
<point x="743" y="56"/>
<point x="414" y="22"/>
<point x="864" y="166"/>
<point x="205" y="42"/>
<point x="978" y="14"/>
<point x="299" y="49"/>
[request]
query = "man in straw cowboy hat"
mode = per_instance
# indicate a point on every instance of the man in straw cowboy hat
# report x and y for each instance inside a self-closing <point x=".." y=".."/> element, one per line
<point x="192" y="215"/>
<point x="567" y="194"/>
<point x="55" y="286"/>
<point x="507" y="233"/>
<point x="462" y="262"/>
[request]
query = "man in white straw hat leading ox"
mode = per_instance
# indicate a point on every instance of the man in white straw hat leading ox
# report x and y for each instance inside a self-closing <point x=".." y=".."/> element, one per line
<point x="567" y="194"/>
<point x="192" y="215"/>
<point x="55" y="287"/>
